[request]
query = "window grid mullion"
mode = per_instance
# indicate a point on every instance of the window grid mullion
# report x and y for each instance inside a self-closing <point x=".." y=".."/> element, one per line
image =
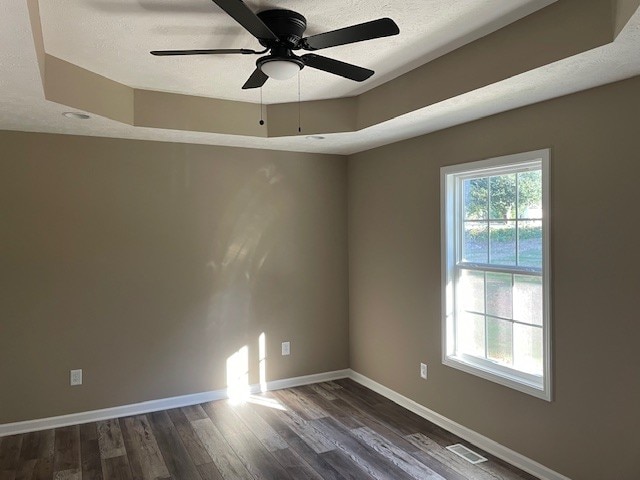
<point x="484" y="317"/>
<point x="517" y="221"/>
<point x="518" y="322"/>
<point x="500" y="269"/>
<point x="513" y="343"/>
<point x="488" y="220"/>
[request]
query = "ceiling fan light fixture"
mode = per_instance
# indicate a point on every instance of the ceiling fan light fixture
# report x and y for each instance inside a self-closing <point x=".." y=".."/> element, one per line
<point x="280" y="69"/>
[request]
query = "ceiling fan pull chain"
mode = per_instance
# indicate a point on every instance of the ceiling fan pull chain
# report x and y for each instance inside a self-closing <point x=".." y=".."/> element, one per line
<point x="261" y="122"/>
<point x="299" y="127"/>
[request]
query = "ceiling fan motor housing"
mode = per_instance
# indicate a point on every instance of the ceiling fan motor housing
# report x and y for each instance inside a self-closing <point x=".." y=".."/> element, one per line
<point x="287" y="25"/>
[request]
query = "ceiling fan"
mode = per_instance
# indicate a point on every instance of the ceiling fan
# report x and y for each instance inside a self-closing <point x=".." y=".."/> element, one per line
<point x="280" y="32"/>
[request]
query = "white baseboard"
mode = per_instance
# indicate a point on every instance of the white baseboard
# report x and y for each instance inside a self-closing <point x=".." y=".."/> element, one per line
<point x="500" y="451"/>
<point x="514" y="458"/>
<point x="156" y="405"/>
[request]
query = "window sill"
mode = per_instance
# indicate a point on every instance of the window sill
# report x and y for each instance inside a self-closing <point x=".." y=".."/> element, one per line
<point x="500" y="377"/>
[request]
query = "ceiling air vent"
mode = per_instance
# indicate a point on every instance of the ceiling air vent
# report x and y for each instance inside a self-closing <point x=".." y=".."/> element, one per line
<point x="469" y="455"/>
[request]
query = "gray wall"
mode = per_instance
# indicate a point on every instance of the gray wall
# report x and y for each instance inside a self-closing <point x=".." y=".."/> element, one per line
<point x="149" y="264"/>
<point x="589" y="431"/>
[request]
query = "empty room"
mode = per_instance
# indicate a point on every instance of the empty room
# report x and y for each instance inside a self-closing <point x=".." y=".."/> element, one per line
<point x="319" y="240"/>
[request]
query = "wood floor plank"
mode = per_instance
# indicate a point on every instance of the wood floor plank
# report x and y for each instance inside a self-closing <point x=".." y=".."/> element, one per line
<point x="296" y="443"/>
<point x="90" y="452"/>
<point x="36" y="456"/>
<point x="295" y="465"/>
<point x="269" y="414"/>
<point x="364" y="456"/>
<point x="10" y="453"/>
<point x="194" y="412"/>
<point x="352" y="417"/>
<point x="395" y="455"/>
<point x="116" y="468"/>
<point x="337" y="409"/>
<point x="25" y="469"/>
<point x="29" y="453"/>
<point x="110" y="439"/>
<point x="346" y="467"/>
<point x="331" y="385"/>
<point x="260" y="428"/>
<point x="499" y="468"/>
<point x="225" y="459"/>
<point x="257" y="460"/>
<point x="190" y="439"/>
<point x="323" y="392"/>
<point x="399" y="441"/>
<point x="44" y="466"/>
<point x="440" y="468"/>
<point x="298" y="402"/>
<point x="30" y="446"/>
<point x="383" y="414"/>
<point x="365" y="394"/>
<point x="305" y="430"/>
<point x="43" y="470"/>
<point x="174" y="453"/>
<point x="72" y="474"/>
<point x="145" y="459"/>
<point x="317" y="461"/>
<point x="66" y="463"/>
<point x="209" y="471"/>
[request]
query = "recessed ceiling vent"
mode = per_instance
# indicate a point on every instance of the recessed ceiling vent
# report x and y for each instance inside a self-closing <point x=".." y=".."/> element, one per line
<point x="469" y="455"/>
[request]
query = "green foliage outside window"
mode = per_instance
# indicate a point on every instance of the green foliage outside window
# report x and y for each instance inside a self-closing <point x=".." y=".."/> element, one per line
<point x="498" y="196"/>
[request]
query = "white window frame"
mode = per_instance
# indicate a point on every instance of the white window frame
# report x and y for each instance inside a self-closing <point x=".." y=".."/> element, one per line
<point x="451" y="244"/>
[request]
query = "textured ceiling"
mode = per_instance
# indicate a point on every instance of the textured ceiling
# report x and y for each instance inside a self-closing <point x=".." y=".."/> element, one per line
<point x="113" y="38"/>
<point x="23" y="105"/>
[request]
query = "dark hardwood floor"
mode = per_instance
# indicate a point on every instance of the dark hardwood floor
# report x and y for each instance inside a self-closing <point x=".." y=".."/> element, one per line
<point x="332" y="430"/>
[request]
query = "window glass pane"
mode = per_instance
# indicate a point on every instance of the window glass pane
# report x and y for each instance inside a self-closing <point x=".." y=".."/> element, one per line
<point x="527" y="299"/>
<point x="527" y="349"/>
<point x="471" y="334"/>
<point x="530" y="243"/>
<point x="499" y="295"/>
<point x="499" y="340"/>
<point x="530" y="194"/>
<point x="503" y="243"/>
<point x="502" y="201"/>
<point x="471" y="291"/>
<point x="475" y="244"/>
<point x="476" y="198"/>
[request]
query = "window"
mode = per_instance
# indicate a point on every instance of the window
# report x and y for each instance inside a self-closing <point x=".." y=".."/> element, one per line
<point x="495" y="270"/>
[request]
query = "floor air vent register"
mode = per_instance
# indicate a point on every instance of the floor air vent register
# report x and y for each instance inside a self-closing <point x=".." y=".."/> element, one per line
<point x="469" y="455"/>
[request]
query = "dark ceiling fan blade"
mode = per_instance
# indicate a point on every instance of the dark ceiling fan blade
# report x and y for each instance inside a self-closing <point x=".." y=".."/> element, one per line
<point x="346" y="70"/>
<point x="216" y="51"/>
<point x="383" y="27"/>
<point x="245" y="17"/>
<point x="256" y="80"/>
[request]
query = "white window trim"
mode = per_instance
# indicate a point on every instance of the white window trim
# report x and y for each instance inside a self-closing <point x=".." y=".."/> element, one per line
<point x="481" y="367"/>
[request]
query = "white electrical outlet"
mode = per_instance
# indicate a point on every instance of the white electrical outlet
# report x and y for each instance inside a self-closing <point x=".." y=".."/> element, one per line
<point x="286" y="348"/>
<point x="76" y="377"/>
<point x="423" y="370"/>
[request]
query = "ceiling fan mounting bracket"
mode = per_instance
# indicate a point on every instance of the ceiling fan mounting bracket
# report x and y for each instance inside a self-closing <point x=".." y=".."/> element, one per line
<point x="287" y="25"/>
